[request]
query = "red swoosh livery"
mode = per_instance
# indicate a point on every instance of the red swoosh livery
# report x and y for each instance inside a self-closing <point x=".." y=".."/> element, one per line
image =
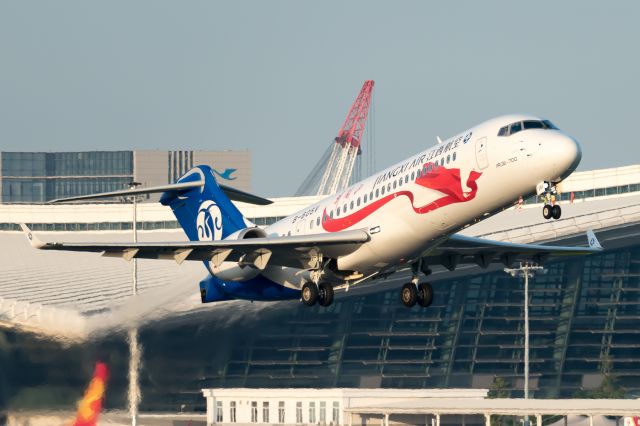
<point x="441" y="179"/>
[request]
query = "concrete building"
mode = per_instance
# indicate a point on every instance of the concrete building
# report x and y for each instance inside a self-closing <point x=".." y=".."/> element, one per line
<point x="323" y="406"/>
<point x="37" y="177"/>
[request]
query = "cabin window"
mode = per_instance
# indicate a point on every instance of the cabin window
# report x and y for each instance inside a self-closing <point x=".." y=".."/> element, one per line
<point x="400" y="182"/>
<point x="358" y="201"/>
<point x="371" y="195"/>
<point x="377" y="193"/>
<point x="382" y="191"/>
<point x="364" y="200"/>
<point x="338" y="211"/>
<point x="389" y="187"/>
<point x="351" y="206"/>
<point x="413" y="175"/>
<point x="394" y="184"/>
<point x="318" y="221"/>
<point x="406" y="179"/>
<point x="453" y="157"/>
<point x="344" y="208"/>
<point x="448" y="158"/>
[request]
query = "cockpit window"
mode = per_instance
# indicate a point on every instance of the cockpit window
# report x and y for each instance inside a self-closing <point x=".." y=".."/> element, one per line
<point x="525" y="125"/>
<point x="533" y="124"/>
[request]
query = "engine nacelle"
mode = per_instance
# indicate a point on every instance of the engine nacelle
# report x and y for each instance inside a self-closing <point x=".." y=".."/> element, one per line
<point x="233" y="271"/>
<point x="247" y="233"/>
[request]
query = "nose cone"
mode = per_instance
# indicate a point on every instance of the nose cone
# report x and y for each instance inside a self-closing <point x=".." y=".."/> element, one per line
<point x="566" y="154"/>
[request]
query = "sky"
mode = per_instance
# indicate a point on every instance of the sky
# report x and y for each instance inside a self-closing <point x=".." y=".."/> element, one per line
<point x="277" y="77"/>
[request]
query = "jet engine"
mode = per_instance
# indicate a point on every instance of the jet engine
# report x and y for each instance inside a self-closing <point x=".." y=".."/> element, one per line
<point x="250" y="264"/>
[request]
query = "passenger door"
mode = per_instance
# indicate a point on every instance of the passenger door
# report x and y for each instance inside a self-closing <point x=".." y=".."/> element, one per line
<point x="481" y="153"/>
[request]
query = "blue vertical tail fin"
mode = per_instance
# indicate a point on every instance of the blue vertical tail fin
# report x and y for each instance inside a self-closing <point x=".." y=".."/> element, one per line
<point x="205" y="213"/>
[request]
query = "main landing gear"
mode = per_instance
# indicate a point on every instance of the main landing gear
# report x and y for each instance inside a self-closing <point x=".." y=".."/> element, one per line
<point x="313" y="293"/>
<point x="550" y="209"/>
<point x="414" y="292"/>
<point x="422" y="294"/>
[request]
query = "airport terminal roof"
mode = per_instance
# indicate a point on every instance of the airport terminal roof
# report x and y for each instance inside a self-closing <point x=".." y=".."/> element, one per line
<point x="76" y="294"/>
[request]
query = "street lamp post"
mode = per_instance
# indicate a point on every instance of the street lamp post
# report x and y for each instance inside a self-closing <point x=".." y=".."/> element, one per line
<point x="133" y="185"/>
<point x="134" y="348"/>
<point x="525" y="270"/>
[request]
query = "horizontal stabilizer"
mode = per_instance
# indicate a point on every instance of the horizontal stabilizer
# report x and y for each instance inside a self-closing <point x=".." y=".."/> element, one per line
<point x="232" y="193"/>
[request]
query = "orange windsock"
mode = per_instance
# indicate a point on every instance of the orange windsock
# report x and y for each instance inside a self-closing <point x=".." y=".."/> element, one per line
<point x="90" y="405"/>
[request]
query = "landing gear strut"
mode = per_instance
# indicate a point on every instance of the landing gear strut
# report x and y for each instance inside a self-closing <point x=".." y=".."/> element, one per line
<point x="321" y="294"/>
<point x="550" y="209"/>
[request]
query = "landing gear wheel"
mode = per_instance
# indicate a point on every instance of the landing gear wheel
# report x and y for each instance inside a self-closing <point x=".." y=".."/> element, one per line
<point x="326" y="294"/>
<point x="425" y="295"/>
<point x="546" y="211"/>
<point x="556" y="211"/>
<point x="309" y="294"/>
<point x="409" y="294"/>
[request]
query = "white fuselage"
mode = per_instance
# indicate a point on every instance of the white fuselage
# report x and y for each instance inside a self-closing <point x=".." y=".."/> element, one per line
<point x="407" y="211"/>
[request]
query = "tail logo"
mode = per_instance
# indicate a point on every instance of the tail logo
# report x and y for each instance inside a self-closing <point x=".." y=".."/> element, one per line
<point x="209" y="221"/>
<point x="226" y="174"/>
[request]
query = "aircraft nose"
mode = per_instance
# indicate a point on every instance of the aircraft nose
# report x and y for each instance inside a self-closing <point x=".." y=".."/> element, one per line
<point x="567" y="154"/>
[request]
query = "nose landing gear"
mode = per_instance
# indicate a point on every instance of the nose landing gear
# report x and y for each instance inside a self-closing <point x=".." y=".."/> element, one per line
<point x="550" y="209"/>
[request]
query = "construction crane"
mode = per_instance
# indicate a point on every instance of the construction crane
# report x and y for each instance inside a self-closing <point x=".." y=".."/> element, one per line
<point x="343" y="156"/>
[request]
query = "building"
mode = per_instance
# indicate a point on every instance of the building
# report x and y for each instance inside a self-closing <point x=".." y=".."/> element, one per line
<point x="323" y="406"/>
<point x="584" y="313"/>
<point x="37" y="177"/>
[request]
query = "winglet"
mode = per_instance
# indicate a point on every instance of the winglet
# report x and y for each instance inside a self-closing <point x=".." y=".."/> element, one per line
<point x="593" y="241"/>
<point x="33" y="240"/>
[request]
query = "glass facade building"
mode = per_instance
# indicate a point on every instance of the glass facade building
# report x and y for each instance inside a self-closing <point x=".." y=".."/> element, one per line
<point x="584" y="325"/>
<point x="36" y="177"/>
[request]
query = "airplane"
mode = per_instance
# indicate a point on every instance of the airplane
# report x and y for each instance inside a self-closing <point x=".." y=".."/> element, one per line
<point x="406" y="216"/>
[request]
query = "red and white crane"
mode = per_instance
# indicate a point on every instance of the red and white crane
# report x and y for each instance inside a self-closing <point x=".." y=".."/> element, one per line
<point x="346" y="149"/>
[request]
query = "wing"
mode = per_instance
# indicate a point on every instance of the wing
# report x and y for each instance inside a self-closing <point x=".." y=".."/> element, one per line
<point x="459" y="249"/>
<point x="299" y="251"/>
